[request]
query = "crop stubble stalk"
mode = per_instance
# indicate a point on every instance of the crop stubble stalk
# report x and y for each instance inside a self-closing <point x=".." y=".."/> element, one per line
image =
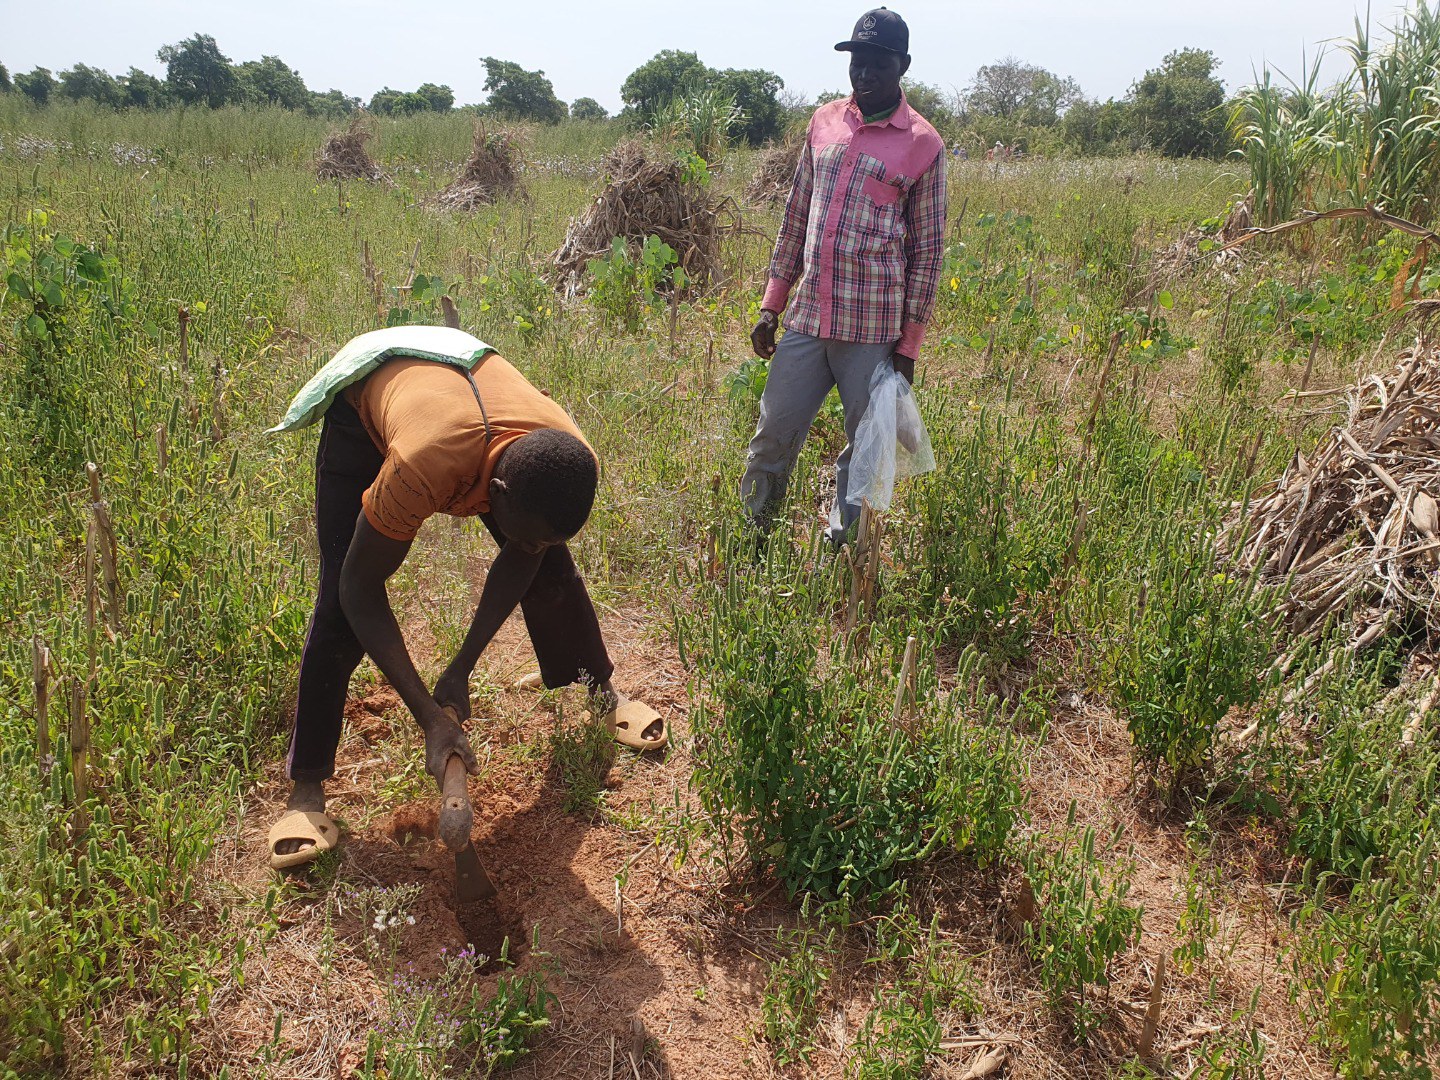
<point x="79" y="761"/>
<point x="41" y="667"/>
<point x="864" y="562"/>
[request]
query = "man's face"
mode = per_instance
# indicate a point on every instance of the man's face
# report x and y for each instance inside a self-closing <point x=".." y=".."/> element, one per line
<point x="875" y="77"/>
<point x="521" y="526"/>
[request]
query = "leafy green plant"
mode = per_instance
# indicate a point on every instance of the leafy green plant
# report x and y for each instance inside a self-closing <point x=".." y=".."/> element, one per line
<point x="582" y="751"/>
<point x="53" y="286"/>
<point x="745" y="386"/>
<point x="1197" y="642"/>
<point x="994" y="524"/>
<point x="1361" y="807"/>
<point x="798" y="756"/>
<point x="897" y="1039"/>
<point x="419" y="303"/>
<point x="1081" y="920"/>
<point x="921" y="980"/>
<point x="1368" y="970"/>
<point x="790" y="1004"/>
<point x="625" y="286"/>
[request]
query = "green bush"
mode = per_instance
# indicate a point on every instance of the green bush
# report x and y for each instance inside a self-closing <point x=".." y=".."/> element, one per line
<point x="796" y="754"/>
<point x="1081" y="920"/>
<point x="992" y="526"/>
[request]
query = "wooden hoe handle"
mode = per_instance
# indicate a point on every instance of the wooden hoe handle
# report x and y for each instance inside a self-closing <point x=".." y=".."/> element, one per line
<point x="456" y="815"/>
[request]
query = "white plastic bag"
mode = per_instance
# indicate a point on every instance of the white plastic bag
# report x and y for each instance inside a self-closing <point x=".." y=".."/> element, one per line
<point x="891" y="442"/>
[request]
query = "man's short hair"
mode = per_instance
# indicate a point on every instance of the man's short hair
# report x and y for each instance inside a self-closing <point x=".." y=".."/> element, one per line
<point x="553" y="474"/>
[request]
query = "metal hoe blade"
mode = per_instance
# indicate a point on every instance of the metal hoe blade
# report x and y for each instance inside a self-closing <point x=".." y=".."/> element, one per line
<point x="456" y="819"/>
<point x="471" y="881"/>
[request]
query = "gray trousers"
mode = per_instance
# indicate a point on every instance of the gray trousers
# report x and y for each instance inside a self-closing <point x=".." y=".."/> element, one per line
<point x="802" y="372"/>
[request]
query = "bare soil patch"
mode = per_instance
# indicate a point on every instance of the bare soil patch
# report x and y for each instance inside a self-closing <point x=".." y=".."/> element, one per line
<point x="687" y="958"/>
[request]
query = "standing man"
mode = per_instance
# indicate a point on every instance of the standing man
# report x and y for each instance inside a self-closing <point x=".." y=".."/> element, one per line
<point x="859" y="255"/>
<point x="418" y="421"/>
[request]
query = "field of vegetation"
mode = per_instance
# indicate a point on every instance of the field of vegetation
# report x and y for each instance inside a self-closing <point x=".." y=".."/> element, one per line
<point x="1114" y="816"/>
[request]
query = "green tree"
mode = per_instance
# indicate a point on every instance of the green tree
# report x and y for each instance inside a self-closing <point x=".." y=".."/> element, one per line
<point x="141" y="90"/>
<point x="36" y="85"/>
<point x="1177" y="106"/>
<point x="84" y="83"/>
<point x="332" y="104"/>
<point x="931" y="103"/>
<point x="5" y="84"/>
<point x="197" y="72"/>
<point x="270" y="81"/>
<point x="1091" y="127"/>
<point x="757" y="93"/>
<point x="1024" y="94"/>
<point x="664" y="77"/>
<point x="439" y="99"/>
<point x="518" y="94"/>
<point x="587" y="109"/>
<point x="389" y="102"/>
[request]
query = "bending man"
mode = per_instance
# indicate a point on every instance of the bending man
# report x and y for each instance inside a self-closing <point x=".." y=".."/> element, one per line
<point x="420" y="421"/>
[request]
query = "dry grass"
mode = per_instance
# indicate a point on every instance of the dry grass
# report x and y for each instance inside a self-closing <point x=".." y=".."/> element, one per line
<point x="648" y="195"/>
<point x="492" y="171"/>
<point x="344" y="156"/>
<point x="775" y="171"/>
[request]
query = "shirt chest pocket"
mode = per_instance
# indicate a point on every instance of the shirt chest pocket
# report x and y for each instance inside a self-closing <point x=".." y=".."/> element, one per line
<point x="880" y="193"/>
<point x="883" y="205"/>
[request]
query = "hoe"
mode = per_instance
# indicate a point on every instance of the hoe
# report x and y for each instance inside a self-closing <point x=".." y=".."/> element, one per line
<point x="456" y="819"/>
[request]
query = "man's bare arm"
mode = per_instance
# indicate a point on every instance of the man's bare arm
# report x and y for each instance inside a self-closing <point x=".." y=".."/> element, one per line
<point x="509" y="579"/>
<point x="372" y="558"/>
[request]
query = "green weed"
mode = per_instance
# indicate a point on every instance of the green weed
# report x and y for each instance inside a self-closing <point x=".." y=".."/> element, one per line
<point x="797" y="755"/>
<point x="582" y="751"/>
<point x="626" y="286"/>
<point x="790" y="1004"/>
<point x="1081" y="922"/>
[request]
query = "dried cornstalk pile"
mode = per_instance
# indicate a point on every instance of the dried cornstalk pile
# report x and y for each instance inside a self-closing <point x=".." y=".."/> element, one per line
<point x="344" y="157"/>
<point x="1355" y="525"/>
<point x="776" y="170"/>
<point x="1185" y="254"/>
<point x="492" y="170"/>
<point x="647" y="196"/>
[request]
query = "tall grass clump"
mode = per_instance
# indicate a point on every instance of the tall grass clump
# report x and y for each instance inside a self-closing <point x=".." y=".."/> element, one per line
<point x="807" y="761"/>
<point x="167" y="669"/>
<point x="1176" y="639"/>
<point x="1370" y="138"/>
<point x="988" y="532"/>
<point x="703" y="122"/>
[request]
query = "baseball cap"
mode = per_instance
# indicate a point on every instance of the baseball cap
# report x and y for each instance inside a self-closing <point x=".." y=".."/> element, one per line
<point x="881" y="28"/>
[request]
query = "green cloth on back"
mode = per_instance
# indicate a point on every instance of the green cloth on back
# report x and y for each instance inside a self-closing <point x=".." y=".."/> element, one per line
<point x="367" y="352"/>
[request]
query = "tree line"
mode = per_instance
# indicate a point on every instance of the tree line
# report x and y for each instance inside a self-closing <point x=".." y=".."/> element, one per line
<point x="1178" y="109"/>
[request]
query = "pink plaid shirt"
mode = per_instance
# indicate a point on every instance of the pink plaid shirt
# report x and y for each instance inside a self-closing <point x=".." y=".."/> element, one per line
<point x="863" y="236"/>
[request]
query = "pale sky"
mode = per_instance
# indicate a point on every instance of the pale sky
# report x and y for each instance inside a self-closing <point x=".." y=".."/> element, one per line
<point x="588" y="47"/>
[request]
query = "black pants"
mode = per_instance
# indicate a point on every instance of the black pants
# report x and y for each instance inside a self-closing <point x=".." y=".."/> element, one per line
<point x="558" y="613"/>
